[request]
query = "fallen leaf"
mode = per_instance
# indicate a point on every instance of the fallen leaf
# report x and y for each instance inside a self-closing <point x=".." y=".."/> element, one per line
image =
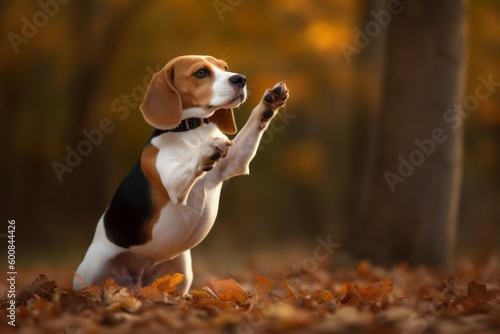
<point x="367" y="293"/>
<point x="352" y="296"/>
<point x="289" y="291"/>
<point x="214" y="303"/>
<point x="452" y="288"/>
<point x="323" y="295"/>
<point x="200" y="294"/>
<point x="122" y="299"/>
<point x="386" y="289"/>
<point x="129" y="304"/>
<point x="475" y="289"/>
<point x="419" y="301"/>
<point x="92" y="292"/>
<point x="364" y="268"/>
<point x="262" y="286"/>
<point x="110" y="283"/>
<point x="150" y="292"/>
<point x="228" y="290"/>
<point x="168" y="283"/>
<point x="109" y="289"/>
<point x="41" y="286"/>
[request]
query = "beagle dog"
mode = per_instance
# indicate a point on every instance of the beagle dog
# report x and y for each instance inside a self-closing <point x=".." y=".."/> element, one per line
<point x="168" y="202"/>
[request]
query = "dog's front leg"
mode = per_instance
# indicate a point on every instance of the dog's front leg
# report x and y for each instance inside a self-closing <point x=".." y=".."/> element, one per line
<point x="245" y="144"/>
<point x="179" y="177"/>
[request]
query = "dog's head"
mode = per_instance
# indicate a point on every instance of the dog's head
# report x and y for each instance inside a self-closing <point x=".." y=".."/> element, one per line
<point x="194" y="86"/>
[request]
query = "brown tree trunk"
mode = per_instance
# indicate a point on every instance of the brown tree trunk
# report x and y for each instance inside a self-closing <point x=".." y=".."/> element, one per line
<point x="94" y="56"/>
<point x="415" y="186"/>
<point x="369" y="72"/>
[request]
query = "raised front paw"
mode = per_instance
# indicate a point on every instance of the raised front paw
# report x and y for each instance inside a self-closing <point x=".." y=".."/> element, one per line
<point x="273" y="99"/>
<point x="213" y="152"/>
<point x="277" y="96"/>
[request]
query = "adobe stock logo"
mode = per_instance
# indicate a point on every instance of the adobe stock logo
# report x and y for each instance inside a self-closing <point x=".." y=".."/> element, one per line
<point x="454" y="117"/>
<point x="275" y="127"/>
<point x="222" y="6"/>
<point x="30" y="28"/>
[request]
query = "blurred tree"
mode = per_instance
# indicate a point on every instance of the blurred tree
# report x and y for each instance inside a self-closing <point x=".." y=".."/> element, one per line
<point x="95" y="51"/>
<point x="92" y="52"/>
<point x="369" y="70"/>
<point x="415" y="185"/>
<point x="480" y="212"/>
<point x="30" y="94"/>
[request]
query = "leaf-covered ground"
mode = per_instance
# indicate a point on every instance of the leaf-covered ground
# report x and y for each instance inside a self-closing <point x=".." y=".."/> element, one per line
<point x="359" y="298"/>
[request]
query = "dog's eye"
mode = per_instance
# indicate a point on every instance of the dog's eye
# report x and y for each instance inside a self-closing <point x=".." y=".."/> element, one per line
<point x="202" y="73"/>
<point x="226" y="68"/>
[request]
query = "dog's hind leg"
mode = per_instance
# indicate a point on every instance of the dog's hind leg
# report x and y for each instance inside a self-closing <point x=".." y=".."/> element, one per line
<point x="96" y="266"/>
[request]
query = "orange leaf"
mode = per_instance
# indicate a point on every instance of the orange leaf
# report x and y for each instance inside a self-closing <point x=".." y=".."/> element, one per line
<point x="370" y="292"/>
<point x="91" y="292"/>
<point x="451" y="287"/>
<point x="110" y="283"/>
<point x="364" y="268"/>
<point x="386" y="289"/>
<point x="214" y="303"/>
<point x="168" y="283"/>
<point x="110" y="287"/>
<point x="367" y="293"/>
<point x="129" y="304"/>
<point x="200" y="294"/>
<point x="475" y="289"/>
<point x="323" y="295"/>
<point x="351" y="297"/>
<point x="263" y="286"/>
<point x="149" y="292"/>
<point x="228" y="290"/>
<point x="289" y="291"/>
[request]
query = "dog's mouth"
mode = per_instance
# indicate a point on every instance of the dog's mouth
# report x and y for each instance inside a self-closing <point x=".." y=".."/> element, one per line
<point x="239" y="99"/>
<point x="235" y="102"/>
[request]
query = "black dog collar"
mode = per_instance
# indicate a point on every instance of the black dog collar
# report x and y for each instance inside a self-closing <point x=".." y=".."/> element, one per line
<point x="187" y="124"/>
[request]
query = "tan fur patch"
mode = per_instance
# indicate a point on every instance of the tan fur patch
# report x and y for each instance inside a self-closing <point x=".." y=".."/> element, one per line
<point x="159" y="195"/>
<point x="195" y="92"/>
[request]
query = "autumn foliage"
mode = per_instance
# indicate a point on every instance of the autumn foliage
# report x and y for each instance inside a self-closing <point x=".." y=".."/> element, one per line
<point x="345" y="300"/>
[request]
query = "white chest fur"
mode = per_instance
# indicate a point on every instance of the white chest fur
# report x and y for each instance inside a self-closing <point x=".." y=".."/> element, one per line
<point x="180" y="227"/>
<point x="184" y="221"/>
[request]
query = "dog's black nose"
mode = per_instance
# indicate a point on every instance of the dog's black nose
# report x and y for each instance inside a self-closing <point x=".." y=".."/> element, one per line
<point x="239" y="80"/>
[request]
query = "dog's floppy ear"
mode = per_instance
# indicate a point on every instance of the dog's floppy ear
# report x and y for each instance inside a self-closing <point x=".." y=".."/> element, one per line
<point x="224" y="118"/>
<point x="162" y="106"/>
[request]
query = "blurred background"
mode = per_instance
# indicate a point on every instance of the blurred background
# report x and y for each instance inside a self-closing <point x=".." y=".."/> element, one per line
<point x="68" y="66"/>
